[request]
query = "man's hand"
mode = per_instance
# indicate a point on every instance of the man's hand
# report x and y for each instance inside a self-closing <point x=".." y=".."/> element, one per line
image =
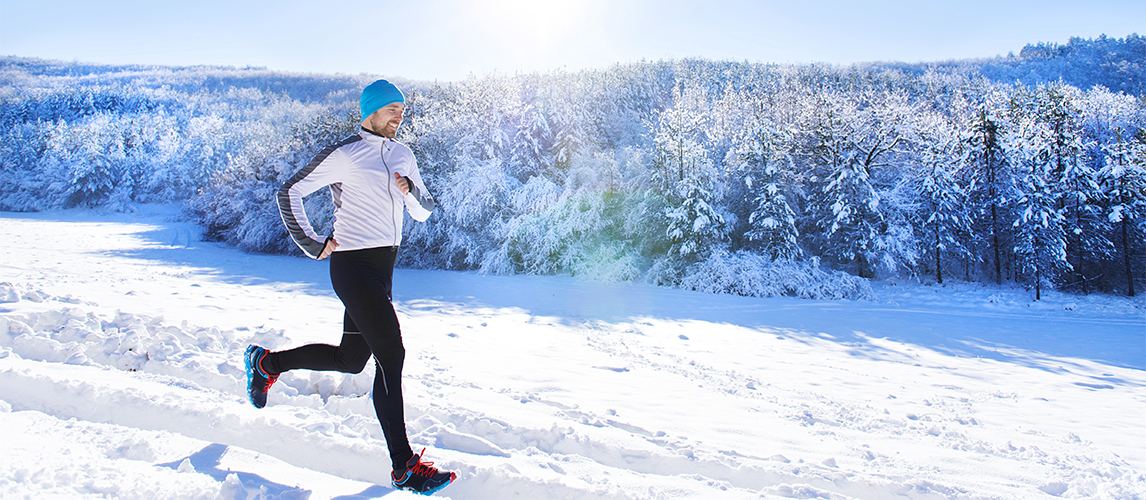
<point x="331" y="244"/>
<point x="403" y="183"/>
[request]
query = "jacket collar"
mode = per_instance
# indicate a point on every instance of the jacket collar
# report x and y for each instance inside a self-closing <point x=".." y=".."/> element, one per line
<point x="371" y="137"/>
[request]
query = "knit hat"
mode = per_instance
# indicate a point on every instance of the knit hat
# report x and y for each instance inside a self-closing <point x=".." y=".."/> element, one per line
<point x="378" y="95"/>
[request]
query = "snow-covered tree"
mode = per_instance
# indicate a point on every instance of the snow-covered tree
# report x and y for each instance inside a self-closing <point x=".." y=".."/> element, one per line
<point x="685" y="175"/>
<point x="482" y="110"/>
<point x="990" y="177"/>
<point x="942" y="208"/>
<point x="569" y="123"/>
<point x="1124" y="179"/>
<point x="772" y="222"/>
<point x="761" y="159"/>
<point x="853" y="142"/>
<point x="1040" y="227"/>
<point x="530" y="148"/>
<point x="1076" y="181"/>
<point x="1112" y="124"/>
<point x="694" y="225"/>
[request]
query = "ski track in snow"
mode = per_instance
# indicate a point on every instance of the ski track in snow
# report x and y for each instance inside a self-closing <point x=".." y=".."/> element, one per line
<point x="101" y="396"/>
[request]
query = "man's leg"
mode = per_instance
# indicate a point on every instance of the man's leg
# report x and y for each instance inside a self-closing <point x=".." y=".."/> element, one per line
<point x="350" y="356"/>
<point x="264" y="367"/>
<point x="390" y="408"/>
<point x="362" y="279"/>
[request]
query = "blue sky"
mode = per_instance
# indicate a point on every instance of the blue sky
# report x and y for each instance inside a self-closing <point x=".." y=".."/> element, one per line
<point x="451" y="39"/>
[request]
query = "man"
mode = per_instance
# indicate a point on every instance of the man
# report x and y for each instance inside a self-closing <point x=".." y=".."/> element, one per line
<point x="372" y="178"/>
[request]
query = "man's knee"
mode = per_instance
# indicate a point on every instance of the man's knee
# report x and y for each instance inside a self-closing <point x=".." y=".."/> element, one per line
<point x="358" y="362"/>
<point x="391" y="354"/>
<point x="352" y="359"/>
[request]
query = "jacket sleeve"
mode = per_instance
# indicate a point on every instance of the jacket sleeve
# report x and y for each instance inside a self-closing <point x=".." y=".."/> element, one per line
<point x="325" y="169"/>
<point x="419" y="202"/>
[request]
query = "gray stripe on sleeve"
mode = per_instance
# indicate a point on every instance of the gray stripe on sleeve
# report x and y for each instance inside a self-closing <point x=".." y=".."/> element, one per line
<point x="426" y="201"/>
<point x="312" y="247"/>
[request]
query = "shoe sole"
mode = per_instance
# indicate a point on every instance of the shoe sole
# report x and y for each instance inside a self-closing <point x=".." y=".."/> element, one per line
<point x="453" y="476"/>
<point x="250" y="375"/>
<point x="443" y="485"/>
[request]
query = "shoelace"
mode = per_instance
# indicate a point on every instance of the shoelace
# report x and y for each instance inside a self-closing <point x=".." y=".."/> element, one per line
<point x="424" y="469"/>
<point x="269" y="378"/>
<point x="270" y="381"/>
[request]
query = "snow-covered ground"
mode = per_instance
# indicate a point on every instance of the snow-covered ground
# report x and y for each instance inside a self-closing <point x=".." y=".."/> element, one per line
<point x="121" y="340"/>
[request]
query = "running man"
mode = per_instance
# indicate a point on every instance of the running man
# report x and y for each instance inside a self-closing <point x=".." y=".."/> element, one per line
<point x="373" y="179"/>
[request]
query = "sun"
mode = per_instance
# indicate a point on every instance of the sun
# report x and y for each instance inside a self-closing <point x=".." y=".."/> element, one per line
<point x="529" y="29"/>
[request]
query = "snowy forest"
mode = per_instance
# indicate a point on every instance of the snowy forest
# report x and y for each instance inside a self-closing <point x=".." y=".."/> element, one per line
<point x="724" y="177"/>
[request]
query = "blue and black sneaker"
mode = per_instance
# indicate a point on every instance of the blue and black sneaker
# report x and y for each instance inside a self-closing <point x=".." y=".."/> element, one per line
<point x="421" y="477"/>
<point x="258" y="382"/>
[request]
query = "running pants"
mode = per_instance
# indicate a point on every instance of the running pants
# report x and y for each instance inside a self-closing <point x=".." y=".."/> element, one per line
<point x="362" y="279"/>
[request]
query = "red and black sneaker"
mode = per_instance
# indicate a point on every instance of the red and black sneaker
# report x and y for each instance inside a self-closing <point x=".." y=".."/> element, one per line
<point x="421" y="477"/>
<point x="258" y="382"/>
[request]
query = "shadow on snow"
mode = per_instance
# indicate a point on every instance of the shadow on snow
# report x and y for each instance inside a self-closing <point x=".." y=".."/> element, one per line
<point x="207" y="461"/>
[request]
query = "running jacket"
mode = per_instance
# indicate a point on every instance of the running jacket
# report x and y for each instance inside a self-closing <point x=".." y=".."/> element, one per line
<point x="367" y="202"/>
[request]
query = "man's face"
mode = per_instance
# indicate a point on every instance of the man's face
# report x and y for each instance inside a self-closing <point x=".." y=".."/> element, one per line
<point x="385" y="121"/>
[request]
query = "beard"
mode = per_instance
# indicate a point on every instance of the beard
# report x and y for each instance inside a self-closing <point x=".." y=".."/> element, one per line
<point x="390" y="130"/>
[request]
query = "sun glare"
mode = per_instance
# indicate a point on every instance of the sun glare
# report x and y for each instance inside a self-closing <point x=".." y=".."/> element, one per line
<point x="531" y="28"/>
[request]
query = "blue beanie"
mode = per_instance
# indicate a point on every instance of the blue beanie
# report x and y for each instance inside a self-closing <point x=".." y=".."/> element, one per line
<point x="378" y="95"/>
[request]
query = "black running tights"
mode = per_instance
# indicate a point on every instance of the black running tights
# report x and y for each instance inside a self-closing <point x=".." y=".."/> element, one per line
<point x="362" y="279"/>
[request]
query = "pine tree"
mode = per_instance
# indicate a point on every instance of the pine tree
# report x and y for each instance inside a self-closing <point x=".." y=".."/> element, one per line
<point x="96" y="161"/>
<point x="854" y="140"/>
<point x="684" y="173"/>
<point x="1124" y="179"/>
<point x="767" y="170"/>
<point x="942" y="199"/>
<point x="530" y="149"/>
<point x="990" y="178"/>
<point x="694" y="225"/>
<point x="1076" y="183"/>
<point x="772" y="221"/>
<point x="1040" y="227"/>
<point x="569" y="124"/>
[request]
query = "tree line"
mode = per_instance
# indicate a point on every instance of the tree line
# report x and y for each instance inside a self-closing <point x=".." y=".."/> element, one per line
<point x="726" y="177"/>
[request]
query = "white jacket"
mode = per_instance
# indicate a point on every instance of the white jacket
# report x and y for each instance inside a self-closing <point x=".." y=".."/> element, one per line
<point x="367" y="202"/>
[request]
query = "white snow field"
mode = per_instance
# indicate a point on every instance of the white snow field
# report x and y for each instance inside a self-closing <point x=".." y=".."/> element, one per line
<point x="121" y="376"/>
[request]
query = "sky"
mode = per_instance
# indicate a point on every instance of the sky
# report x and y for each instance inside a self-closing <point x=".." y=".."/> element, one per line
<point x="448" y="40"/>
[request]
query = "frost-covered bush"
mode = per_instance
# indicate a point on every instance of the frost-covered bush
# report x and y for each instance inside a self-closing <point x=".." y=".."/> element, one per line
<point x="239" y="205"/>
<point x="111" y="136"/>
<point x="579" y="235"/>
<point x="104" y="159"/>
<point x="593" y="224"/>
<point x="99" y="145"/>
<point x="753" y="275"/>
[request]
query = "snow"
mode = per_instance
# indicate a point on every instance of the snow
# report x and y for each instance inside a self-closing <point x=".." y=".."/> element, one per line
<point x="121" y="376"/>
